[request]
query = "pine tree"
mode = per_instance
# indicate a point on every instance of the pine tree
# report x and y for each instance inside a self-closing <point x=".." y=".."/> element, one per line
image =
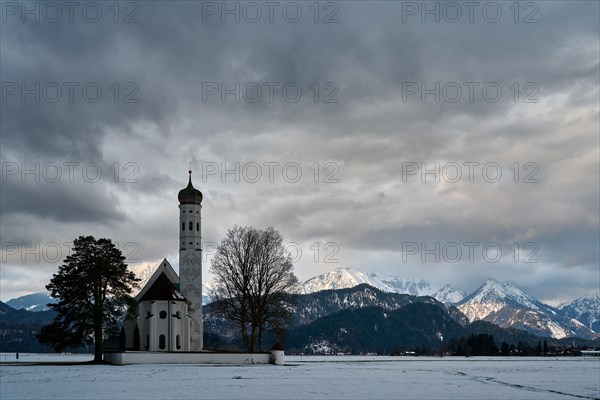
<point x="538" y="349"/>
<point x="545" y="348"/>
<point x="492" y="349"/>
<point x="122" y="339"/>
<point x="136" y="338"/>
<point x="93" y="286"/>
<point x="505" y="350"/>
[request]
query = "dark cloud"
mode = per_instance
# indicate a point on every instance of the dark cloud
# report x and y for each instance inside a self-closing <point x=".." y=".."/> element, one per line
<point x="369" y="134"/>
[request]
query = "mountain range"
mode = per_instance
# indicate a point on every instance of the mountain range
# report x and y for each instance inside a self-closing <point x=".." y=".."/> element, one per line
<point x="499" y="303"/>
<point x="32" y="302"/>
<point x="19" y="327"/>
<point x="585" y="310"/>
<point x="341" y="278"/>
<point x="506" y="306"/>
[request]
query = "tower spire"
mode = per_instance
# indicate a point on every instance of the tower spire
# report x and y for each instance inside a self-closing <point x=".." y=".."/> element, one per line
<point x="190" y="257"/>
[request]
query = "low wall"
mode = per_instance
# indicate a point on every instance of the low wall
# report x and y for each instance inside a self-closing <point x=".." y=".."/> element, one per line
<point x="140" y="357"/>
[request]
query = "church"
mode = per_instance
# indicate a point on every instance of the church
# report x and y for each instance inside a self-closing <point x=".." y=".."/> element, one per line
<point x="169" y="312"/>
<point x="167" y="327"/>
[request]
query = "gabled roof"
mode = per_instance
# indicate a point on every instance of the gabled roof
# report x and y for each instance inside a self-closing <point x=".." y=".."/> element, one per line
<point x="169" y="273"/>
<point x="162" y="289"/>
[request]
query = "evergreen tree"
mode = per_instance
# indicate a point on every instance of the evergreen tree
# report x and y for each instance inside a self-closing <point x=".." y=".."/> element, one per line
<point x="122" y="339"/>
<point x="545" y="350"/>
<point x="136" y="338"/>
<point x="504" y="349"/>
<point x="538" y="349"/>
<point x="492" y="348"/>
<point x="93" y="286"/>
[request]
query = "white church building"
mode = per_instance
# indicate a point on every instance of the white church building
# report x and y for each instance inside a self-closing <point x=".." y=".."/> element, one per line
<point x="167" y="327"/>
<point x="169" y="313"/>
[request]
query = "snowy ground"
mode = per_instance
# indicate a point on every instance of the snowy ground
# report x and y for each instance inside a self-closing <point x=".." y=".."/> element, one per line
<point x="323" y="377"/>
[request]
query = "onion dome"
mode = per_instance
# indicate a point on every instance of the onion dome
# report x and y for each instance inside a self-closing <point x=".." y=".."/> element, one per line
<point x="190" y="195"/>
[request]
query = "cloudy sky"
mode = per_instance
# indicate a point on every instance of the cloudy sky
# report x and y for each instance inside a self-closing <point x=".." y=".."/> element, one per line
<point x="425" y="140"/>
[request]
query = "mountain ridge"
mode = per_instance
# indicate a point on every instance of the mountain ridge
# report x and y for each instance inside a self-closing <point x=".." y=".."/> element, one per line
<point x="585" y="309"/>
<point x="507" y="306"/>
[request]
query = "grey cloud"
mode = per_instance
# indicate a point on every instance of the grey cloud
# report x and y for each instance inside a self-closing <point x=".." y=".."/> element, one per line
<point x="369" y="133"/>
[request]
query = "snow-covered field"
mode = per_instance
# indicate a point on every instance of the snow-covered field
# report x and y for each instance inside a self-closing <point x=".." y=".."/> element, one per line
<point x="343" y="377"/>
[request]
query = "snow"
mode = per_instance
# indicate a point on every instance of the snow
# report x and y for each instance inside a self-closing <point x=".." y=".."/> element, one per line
<point x="32" y="302"/>
<point x="343" y="278"/>
<point x="449" y="295"/>
<point x="507" y="306"/>
<point x="500" y="292"/>
<point x="585" y="309"/>
<point x="313" y="377"/>
<point x="475" y="311"/>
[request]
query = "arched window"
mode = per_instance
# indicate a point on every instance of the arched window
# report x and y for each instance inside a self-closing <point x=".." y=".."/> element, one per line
<point x="162" y="342"/>
<point x="198" y="226"/>
<point x="191" y="226"/>
<point x="177" y="343"/>
<point x="147" y="342"/>
<point x="183" y="226"/>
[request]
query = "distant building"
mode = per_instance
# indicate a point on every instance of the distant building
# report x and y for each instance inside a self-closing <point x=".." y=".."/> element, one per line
<point x="590" y="353"/>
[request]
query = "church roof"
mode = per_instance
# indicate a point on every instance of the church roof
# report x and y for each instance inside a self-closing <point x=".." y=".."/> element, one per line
<point x="162" y="289"/>
<point x="164" y="268"/>
<point x="190" y="195"/>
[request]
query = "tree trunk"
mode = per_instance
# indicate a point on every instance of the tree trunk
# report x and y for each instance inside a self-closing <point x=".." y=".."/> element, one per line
<point x="261" y="339"/>
<point x="253" y="338"/>
<point x="245" y="336"/>
<point x="98" y="339"/>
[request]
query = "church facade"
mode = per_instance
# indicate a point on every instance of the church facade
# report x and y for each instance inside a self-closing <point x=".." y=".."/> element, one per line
<point x="169" y="312"/>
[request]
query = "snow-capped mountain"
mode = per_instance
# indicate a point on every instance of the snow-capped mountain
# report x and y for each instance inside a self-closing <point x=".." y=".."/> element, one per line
<point x="344" y="278"/>
<point x="449" y="295"/>
<point x="32" y="302"/>
<point x="585" y="310"/>
<point x="509" y="307"/>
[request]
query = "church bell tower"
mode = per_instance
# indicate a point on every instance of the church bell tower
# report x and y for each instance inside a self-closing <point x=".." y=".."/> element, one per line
<point x="190" y="257"/>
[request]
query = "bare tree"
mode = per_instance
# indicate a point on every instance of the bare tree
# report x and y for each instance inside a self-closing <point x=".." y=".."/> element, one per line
<point x="254" y="282"/>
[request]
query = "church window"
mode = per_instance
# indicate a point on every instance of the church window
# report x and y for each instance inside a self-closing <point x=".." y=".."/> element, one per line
<point x="183" y="226"/>
<point x="190" y="211"/>
<point x="162" y="342"/>
<point x="191" y="226"/>
<point x="162" y="314"/>
<point x="177" y="342"/>
<point x="198" y="226"/>
<point x="147" y="342"/>
<point x="177" y="315"/>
